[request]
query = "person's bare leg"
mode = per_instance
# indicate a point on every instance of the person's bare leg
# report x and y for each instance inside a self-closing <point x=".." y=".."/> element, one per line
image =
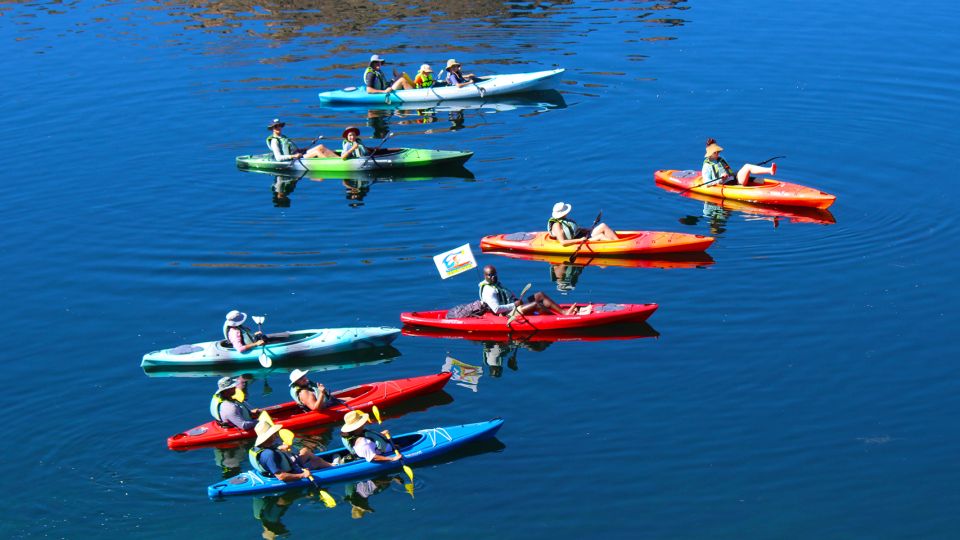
<point x="748" y="170"/>
<point x="319" y="151"/>
<point x="603" y="232"/>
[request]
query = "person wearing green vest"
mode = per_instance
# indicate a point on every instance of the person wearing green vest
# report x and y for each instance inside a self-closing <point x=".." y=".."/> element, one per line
<point x="376" y="82"/>
<point x="717" y="171"/>
<point x="284" y="149"/>
<point x="504" y="303"/>
<point x="566" y="231"/>
<point x="424" y="78"/>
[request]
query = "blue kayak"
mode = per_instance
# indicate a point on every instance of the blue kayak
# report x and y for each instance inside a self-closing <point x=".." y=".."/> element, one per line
<point x="416" y="446"/>
<point x="280" y="346"/>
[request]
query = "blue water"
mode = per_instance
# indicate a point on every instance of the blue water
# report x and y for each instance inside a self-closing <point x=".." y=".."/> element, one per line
<point x="803" y="385"/>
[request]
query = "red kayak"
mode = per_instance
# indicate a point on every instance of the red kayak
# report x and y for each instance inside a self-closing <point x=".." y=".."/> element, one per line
<point x="293" y="417"/>
<point x="588" y="315"/>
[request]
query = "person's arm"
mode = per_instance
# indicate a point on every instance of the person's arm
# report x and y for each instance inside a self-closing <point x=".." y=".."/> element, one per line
<point x="230" y="414"/>
<point x="236" y="339"/>
<point x="707" y="174"/>
<point x="490" y="299"/>
<point x="348" y="152"/>
<point x="557" y="231"/>
<point x="309" y="399"/>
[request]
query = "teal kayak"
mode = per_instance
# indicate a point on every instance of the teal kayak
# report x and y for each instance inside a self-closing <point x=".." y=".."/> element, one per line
<point x="415" y="447"/>
<point x="382" y="159"/>
<point x="281" y="346"/>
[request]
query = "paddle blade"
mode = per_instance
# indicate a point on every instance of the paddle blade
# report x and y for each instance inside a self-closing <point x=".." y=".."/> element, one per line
<point x="239" y="394"/>
<point x="259" y="318"/>
<point x="265" y="417"/>
<point x="409" y="488"/>
<point x="286" y="436"/>
<point x="376" y="414"/>
<point x="327" y="499"/>
<point x="265" y="360"/>
<point x="524" y="291"/>
<point x="409" y="471"/>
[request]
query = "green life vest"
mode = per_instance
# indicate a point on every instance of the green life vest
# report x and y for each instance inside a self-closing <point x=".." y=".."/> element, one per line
<point x="285" y="143"/>
<point x="503" y="296"/>
<point x="361" y="149"/>
<point x="717" y="165"/>
<point x="216" y="401"/>
<point x="570" y="228"/>
<point x="286" y="461"/>
<point x="380" y="83"/>
<point x="374" y="436"/>
<point x="311" y="386"/>
<point x="426" y="80"/>
<point x="246" y="336"/>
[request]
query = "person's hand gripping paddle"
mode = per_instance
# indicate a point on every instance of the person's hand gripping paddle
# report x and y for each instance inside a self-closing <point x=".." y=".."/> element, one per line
<point x="286" y="436"/>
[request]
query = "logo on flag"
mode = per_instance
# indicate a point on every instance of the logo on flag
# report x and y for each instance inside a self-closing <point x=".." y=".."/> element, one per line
<point x="455" y="261"/>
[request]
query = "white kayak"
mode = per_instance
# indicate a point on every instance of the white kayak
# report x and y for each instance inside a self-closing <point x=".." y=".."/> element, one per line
<point x="485" y="87"/>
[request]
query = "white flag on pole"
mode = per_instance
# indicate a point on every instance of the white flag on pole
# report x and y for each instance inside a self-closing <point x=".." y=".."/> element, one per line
<point x="455" y="261"/>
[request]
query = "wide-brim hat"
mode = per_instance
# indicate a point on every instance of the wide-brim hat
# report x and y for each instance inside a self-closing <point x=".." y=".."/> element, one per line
<point x="426" y="68"/>
<point x="236" y="318"/>
<point x="561" y="209"/>
<point x="711" y="148"/>
<point x="377" y="58"/>
<point x="264" y="431"/>
<point x="354" y="420"/>
<point x="226" y="383"/>
<point x="451" y="62"/>
<point x="276" y="122"/>
<point x="296" y="374"/>
<point x="354" y="129"/>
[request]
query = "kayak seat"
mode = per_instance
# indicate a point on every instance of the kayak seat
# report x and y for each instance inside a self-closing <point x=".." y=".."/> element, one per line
<point x="520" y="236"/>
<point x="185" y="349"/>
<point x="225" y="343"/>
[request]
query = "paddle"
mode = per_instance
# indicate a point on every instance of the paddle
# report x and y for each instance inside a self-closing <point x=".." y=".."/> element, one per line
<point x="265" y="360"/>
<point x="585" y="240"/>
<point x="516" y="310"/>
<point x="286" y="436"/>
<point x="406" y="468"/>
<point x="370" y="155"/>
<point x="764" y="162"/>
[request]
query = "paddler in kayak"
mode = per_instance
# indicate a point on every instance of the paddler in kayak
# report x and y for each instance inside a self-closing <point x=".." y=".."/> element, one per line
<point x="352" y="145"/>
<point x="309" y="395"/>
<point x="365" y="443"/>
<point x="455" y="78"/>
<point x="284" y="149"/>
<point x="566" y="231"/>
<point x="717" y="171"/>
<point x="228" y="405"/>
<point x="376" y="82"/>
<point x="424" y="78"/>
<point x="240" y="336"/>
<point x="271" y="457"/>
<point x="503" y="302"/>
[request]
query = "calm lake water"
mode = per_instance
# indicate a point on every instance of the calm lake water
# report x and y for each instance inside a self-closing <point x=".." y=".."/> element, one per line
<point x="800" y="383"/>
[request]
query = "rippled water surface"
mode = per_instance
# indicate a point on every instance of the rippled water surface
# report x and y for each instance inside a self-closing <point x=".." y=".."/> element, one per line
<point x="800" y="382"/>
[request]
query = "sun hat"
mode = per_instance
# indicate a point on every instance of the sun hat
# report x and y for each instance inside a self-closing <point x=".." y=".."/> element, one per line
<point x="264" y="431"/>
<point x="296" y="374"/>
<point x="276" y="122"/>
<point x="561" y="209"/>
<point x="226" y="383"/>
<point x="353" y="420"/>
<point x="377" y="58"/>
<point x="426" y="68"/>
<point x="236" y="318"/>
<point x="711" y="148"/>
<point x="349" y="129"/>
<point x="451" y="62"/>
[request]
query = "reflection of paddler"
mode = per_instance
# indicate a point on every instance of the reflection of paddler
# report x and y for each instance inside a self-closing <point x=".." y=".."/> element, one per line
<point x="494" y="353"/>
<point x="357" y="494"/>
<point x="282" y="187"/>
<point x="357" y="189"/>
<point x="717" y="216"/>
<point x="268" y="511"/>
<point x="565" y="275"/>
<point x="230" y="459"/>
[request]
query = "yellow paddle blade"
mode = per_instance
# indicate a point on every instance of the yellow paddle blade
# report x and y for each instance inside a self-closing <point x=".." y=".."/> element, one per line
<point x="286" y="436"/>
<point x="376" y="414"/>
<point x="409" y="471"/>
<point x="265" y="417"/>
<point x="327" y="499"/>
<point x="409" y="488"/>
<point x="239" y="394"/>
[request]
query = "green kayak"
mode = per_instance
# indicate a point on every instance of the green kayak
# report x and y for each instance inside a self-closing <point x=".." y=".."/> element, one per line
<point x="387" y="158"/>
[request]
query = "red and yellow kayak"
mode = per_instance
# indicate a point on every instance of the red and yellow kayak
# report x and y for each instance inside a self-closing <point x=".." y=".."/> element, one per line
<point x="629" y="244"/>
<point x="795" y="214"/>
<point x="769" y="192"/>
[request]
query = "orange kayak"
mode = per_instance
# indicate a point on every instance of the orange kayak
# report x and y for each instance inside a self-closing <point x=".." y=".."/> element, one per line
<point x="795" y="214"/>
<point x="769" y="192"/>
<point x="629" y="244"/>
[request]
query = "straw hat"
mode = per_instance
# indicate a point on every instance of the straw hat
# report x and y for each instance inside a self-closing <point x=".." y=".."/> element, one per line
<point x="426" y="68"/>
<point x="276" y="122"/>
<point x="226" y="383"/>
<point x="378" y="58"/>
<point x="296" y="374"/>
<point x="451" y="62"/>
<point x="236" y="318"/>
<point x="561" y="209"/>
<point x="264" y="431"/>
<point x="354" y="129"/>
<point x="354" y="420"/>
<point x="711" y="148"/>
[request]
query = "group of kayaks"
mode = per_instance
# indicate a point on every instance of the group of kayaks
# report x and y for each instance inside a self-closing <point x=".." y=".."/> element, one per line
<point x="630" y="248"/>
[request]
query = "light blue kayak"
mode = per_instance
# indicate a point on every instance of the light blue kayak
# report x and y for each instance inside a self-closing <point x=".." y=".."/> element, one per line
<point x="485" y="87"/>
<point x="416" y="446"/>
<point x="281" y="346"/>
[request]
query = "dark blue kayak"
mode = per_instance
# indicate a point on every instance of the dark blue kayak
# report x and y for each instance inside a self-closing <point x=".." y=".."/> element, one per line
<point x="416" y="446"/>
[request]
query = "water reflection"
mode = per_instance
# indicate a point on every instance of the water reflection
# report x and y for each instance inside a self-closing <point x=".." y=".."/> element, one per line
<point x="282" y="187"/>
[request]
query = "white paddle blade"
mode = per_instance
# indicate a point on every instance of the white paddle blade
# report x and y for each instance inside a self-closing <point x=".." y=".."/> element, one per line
<point x="265" y="360"/>
<point x="524" y="291"/>
<point x="259" y="318"/>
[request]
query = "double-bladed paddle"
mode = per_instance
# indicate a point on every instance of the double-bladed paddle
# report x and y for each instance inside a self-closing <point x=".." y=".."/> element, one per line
<point x="764" y="162"/>
<point x="265" y="360"/>
<point x="371" y="154"/>
<point x="587" y="239"/>
<point x="286" y="436"/>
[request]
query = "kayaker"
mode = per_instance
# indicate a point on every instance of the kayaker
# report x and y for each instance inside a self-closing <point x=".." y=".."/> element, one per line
<point x="365" y="443"/>
<point x="270" y="457"/>
<point x="424" y="78"/>
<point x="284" y="149"/>
<point x="352" y="145"/>
<point x="310" y="395"/>
<point x="376" y="82"/>
<point x="717" y="171"/>
<point x="503" y="302"/>
<point x="566" y="231"/>
<point x="228" y="405"/>
<point x="240" y="336"/>
<point x="455" y="77"/>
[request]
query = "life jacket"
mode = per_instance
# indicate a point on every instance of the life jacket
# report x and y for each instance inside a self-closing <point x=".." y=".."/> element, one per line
<point x="285" y="143"/>
<point x="246" y="336"/>
<point x="380" y="83"/>
<point x="216" y="401"/>
<point x="286" y="461"/>
<point x="503" y="296"/>
<point x="457" y="78"/>
<point x="374" y="436"/>
<point x="426" y="80"/>
<point x="717" y="165"/>
<point x="311" y="386"/>
<point x="570" y="227"/>
<point x="361" y="149"/>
